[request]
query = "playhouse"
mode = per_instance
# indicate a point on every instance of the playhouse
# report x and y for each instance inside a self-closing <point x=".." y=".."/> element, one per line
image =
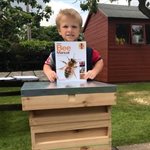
<point x="122" y="35"/>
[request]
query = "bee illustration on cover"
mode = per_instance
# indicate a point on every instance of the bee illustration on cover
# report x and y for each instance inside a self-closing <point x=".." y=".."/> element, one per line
<point x="69" y="67"/>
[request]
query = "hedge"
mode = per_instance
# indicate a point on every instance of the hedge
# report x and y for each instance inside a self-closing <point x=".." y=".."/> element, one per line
<point x="26" y="55"/>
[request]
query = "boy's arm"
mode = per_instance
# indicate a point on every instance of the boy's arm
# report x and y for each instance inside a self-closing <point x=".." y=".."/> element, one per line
<point x="51" y="75"/>
<point x="91" y="74"/>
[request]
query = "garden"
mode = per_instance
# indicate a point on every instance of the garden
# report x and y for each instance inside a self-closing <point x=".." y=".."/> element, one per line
<point x="130" y="118"/>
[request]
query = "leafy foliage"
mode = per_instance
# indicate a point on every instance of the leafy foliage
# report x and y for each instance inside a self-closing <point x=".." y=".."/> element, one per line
<point x="10" y="27"/>
<point x="36" y="45"/>
<point x="4" y="45"/>
<point x="49" y="33"/>
<point x="144" y="7"/>
<point x="15" y="22"/>
<point x="90" y="5"/>
<point x="26" y="55"/>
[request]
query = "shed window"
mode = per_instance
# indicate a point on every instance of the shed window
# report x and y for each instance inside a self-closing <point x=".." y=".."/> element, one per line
<point x="122" y="34"/>
<point x="137" y="32"/>
<point x="147" y="29"/>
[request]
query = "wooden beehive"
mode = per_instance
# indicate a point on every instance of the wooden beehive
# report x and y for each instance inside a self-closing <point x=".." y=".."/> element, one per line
<point x="69" y="117"/>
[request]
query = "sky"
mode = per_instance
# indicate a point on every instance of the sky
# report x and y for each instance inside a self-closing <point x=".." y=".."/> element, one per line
<point x="61" y="4"/>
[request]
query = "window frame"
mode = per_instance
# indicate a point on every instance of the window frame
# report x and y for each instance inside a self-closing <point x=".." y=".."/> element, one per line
<point x="136" y="33"/>
<point x="129" y="34"/>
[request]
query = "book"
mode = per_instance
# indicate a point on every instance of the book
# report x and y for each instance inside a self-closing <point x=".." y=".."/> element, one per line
<point x="71" y="63"/>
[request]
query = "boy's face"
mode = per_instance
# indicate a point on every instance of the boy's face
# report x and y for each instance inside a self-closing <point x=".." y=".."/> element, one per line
<point x="69" y="28"/>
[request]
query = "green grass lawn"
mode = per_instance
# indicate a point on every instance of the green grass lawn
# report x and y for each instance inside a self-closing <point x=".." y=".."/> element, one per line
<point x="131" y="115"/>
<point x="130" y="119"/>
<point x="14" y="131"/>
<point x="10" y="99"/>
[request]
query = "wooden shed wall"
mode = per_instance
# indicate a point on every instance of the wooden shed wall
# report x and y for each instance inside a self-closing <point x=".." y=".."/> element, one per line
<point x="127" y="63"/>
<point x="95" y="33"/>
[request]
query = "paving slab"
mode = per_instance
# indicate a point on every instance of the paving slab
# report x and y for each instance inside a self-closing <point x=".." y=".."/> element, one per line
<point x="144" y="146"/>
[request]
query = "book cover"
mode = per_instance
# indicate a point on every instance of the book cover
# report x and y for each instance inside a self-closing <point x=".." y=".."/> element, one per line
<point x="70" y="61"/>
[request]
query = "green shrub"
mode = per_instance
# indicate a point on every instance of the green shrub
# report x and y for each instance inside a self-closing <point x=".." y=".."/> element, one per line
<point x="36" y="45"/>
<point x="26" y="55"/>
<point x="4" y="45"/>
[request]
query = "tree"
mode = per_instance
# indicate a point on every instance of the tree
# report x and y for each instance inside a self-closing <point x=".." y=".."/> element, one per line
<point x="144" y="7"/>
<point x="14" y="29"/>
<point x="49" y="33"/>
<point x="13" y="18"/>
<point x="90" y="5"/>
<point x="9" y="25"/>
<point x="38" y="16"/>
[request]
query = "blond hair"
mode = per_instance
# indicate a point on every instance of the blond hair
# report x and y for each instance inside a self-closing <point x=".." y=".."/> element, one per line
<point x="68" y="12"/>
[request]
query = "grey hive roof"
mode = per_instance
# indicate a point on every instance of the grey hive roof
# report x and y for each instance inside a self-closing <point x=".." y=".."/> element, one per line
<point x="120" y="11"/>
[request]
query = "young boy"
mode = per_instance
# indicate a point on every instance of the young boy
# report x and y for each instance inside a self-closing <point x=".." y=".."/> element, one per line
<point x="69" y="24"/>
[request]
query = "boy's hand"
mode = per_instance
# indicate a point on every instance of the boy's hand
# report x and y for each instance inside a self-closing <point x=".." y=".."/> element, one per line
<point x="91" y="74"/>
<point x="51" y="75"/>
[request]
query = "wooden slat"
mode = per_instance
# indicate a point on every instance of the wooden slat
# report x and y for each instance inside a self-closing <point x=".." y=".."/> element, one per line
<point x="55" y="136"/>
<point x="93" y="147"/>
<point x="42" y="102"/>
<point x="70" y="126"/>
<point x="72" y="143"/>
<point x="68" y="101"/>
<point x="109" y="125"/>
<point x="69" y="136"/>
<point x="33" y="139"/>
<point x="68" y="115"/>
